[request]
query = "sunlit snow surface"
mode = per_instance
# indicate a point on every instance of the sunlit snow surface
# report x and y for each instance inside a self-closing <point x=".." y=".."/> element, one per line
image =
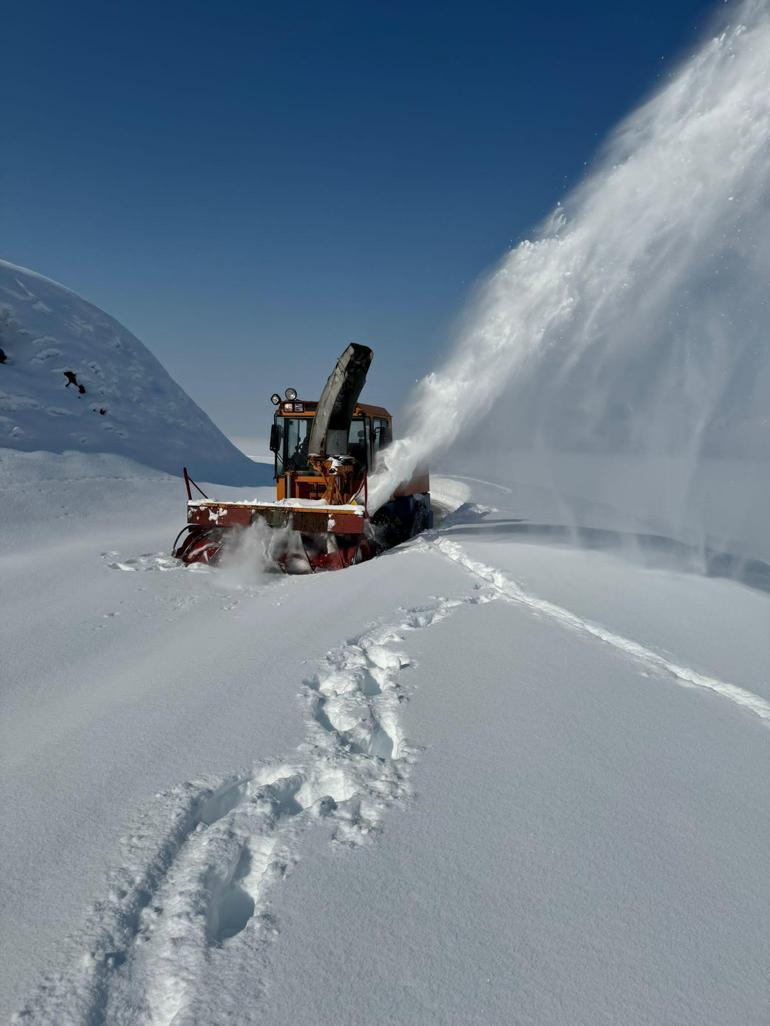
<point x="128" y="403"/>
<point x="491" y="776"/>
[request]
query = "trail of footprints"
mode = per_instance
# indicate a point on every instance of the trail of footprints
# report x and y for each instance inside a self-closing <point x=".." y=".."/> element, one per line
<point x="178" y="907"/>
<point x="189" y="900"/>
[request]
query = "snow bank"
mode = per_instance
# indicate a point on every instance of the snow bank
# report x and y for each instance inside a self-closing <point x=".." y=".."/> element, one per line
<point x="73" y="378"/>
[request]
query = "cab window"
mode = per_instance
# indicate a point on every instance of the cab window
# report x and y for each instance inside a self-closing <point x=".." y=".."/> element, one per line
<point x="293" y="444"/>
<point x="381" y="434"/>
<point x="358" y="440"/>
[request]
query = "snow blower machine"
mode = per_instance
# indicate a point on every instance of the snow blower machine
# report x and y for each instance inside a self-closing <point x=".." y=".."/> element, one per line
<point x="323" y="454"/>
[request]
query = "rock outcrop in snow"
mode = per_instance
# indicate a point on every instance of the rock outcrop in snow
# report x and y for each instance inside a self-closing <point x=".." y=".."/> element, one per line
<point x="73" y="378"/>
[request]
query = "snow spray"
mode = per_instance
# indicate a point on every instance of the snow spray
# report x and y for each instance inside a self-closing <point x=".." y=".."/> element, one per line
<point x="252" y="558"/>
<point x="624" y="349"/>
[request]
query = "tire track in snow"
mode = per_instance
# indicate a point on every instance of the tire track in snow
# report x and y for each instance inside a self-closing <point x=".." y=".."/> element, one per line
<point x="190" y="893"/>
<point x="684" y="676"/>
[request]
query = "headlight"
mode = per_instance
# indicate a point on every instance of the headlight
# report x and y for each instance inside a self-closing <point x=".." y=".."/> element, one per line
<point x="275" y="399"/>
<point x="291" y="394"/>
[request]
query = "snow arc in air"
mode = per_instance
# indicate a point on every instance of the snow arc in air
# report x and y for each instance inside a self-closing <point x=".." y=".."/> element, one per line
<point x="633" y="324"/>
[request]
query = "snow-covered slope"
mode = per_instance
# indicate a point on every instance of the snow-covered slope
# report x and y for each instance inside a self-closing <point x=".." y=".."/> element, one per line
<point x="487" y="778"/>
<point x="117" y="398"/>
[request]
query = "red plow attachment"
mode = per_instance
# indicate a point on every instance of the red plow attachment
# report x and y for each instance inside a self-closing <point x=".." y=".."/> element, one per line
<point x="308" y="536"/>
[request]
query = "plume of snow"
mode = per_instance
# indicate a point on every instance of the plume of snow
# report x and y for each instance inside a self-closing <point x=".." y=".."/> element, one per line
<point x="633" y="325"/>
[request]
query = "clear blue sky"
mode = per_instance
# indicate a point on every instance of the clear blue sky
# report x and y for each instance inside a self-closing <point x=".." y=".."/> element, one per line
<point x="249" y="186"/>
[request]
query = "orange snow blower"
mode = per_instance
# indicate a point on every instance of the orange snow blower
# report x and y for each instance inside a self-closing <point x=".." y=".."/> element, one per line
<point x="323" y="453"/>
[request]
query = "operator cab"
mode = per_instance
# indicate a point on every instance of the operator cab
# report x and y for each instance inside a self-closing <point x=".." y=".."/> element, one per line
<point x="371" y="430"/>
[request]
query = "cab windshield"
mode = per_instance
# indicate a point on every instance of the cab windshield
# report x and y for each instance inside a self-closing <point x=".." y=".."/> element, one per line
<point x="292" y="443"/>
<point x="292" y="450"/>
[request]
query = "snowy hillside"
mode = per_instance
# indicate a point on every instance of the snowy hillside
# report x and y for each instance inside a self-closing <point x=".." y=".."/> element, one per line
<point x="75" y="379"/>
<point x="489" y="777"/>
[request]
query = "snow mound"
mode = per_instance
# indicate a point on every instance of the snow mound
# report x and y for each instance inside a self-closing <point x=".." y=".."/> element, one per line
<point x="73" y="378"/>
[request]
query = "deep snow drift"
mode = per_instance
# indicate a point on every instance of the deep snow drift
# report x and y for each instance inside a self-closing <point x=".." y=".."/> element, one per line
<point x="488" y="777"/>
<point x="622" y="355"/>
<point x="117" y="397"/>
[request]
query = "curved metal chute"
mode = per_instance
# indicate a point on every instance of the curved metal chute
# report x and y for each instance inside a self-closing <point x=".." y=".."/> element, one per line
<point x="331" y="423"/>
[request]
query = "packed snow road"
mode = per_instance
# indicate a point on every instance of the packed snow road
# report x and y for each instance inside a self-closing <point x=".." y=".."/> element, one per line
<point x="484" y="778"/>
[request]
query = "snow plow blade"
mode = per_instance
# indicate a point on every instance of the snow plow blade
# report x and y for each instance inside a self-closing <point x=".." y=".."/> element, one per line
<point x="306" y="539"/>
<point x="307" y="520"/>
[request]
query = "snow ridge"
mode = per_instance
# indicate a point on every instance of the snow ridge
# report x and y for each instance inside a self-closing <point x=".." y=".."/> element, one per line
<point x="683" y="675"/>
<point x="189" y="901"/>
<point x="74" y="379"/>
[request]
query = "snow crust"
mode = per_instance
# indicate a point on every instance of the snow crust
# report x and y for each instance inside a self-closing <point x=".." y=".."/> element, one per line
<point x="490" y="776"/>
<point x="129" y="405"/>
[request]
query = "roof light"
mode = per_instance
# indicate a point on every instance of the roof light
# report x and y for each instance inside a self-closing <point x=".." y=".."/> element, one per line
<point x="291" y="394"/>
<point x="275" y="399"/>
